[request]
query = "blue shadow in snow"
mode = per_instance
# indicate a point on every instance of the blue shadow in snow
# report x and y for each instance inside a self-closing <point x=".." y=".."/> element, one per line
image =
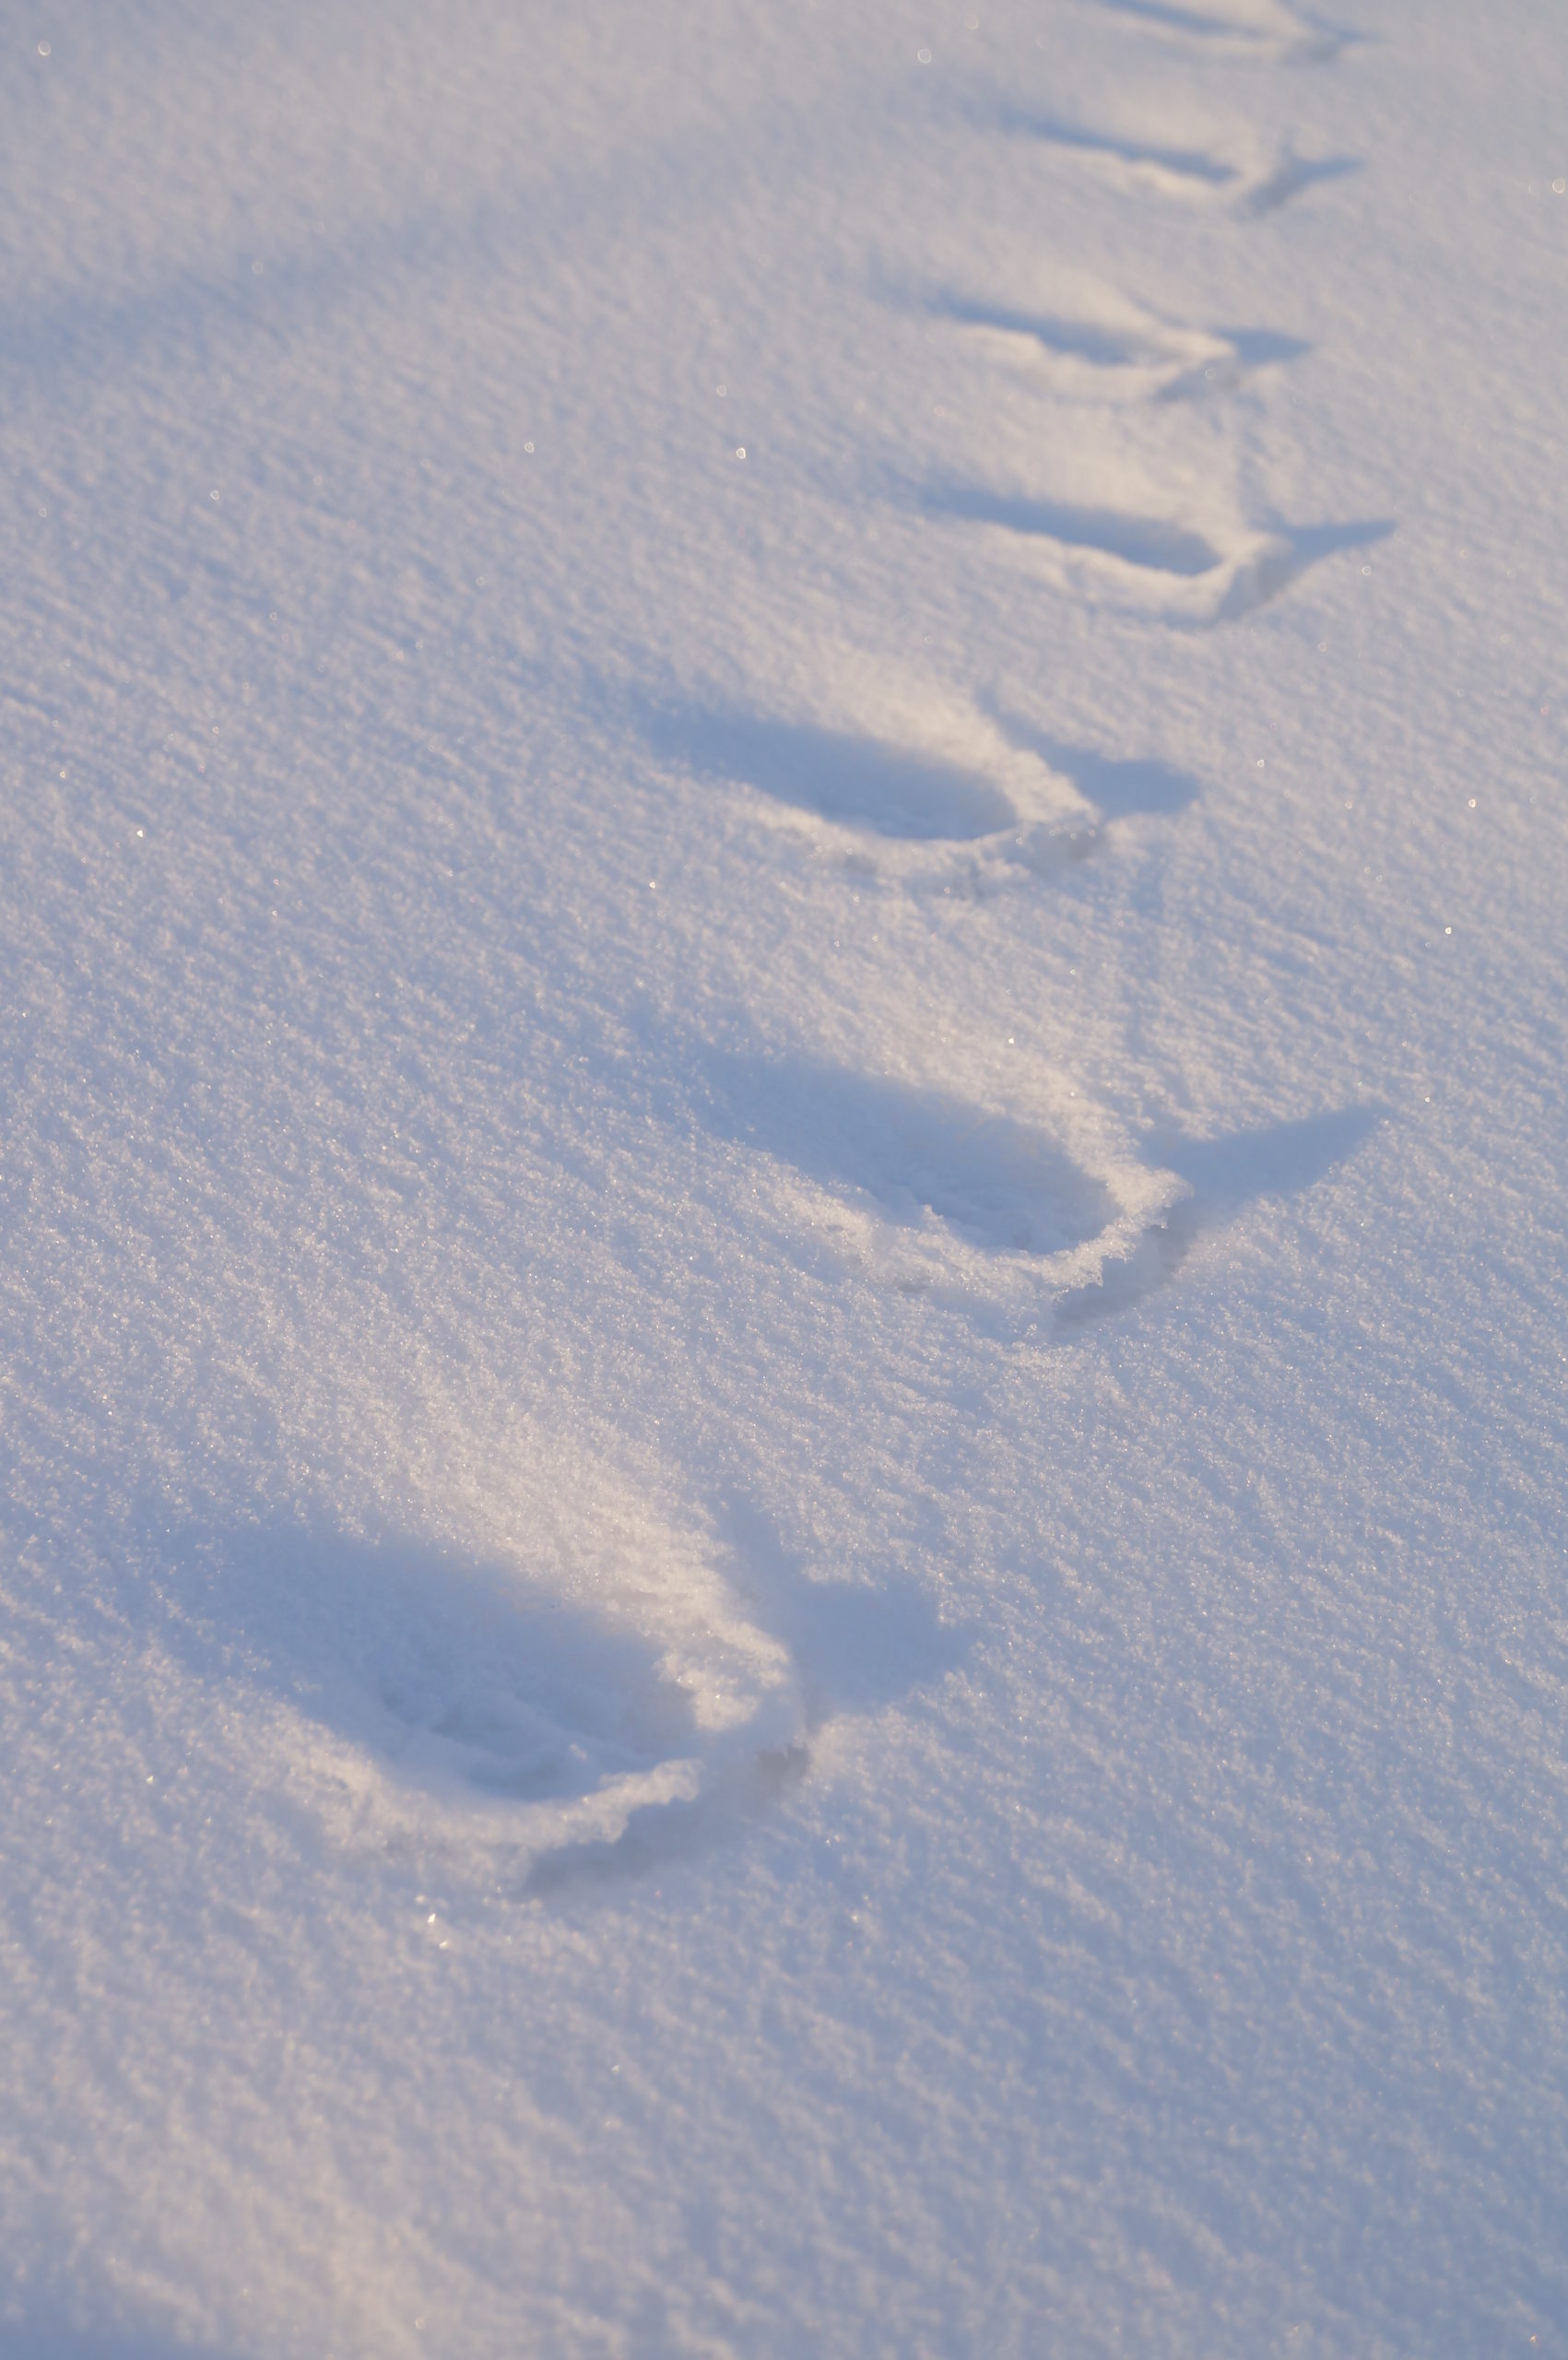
<point x="1292" y="177"/>
<point x="1250" y="348"/>
<point x="1225" y="1175"/>
<point x="1305" y="546"/>
<point x="856" y="1649"/>
<point x="45" y="2335"/>
<point x="1310" y="542"/>
<point x="1276" y="1160"/>
<point x="1264" y="347"/>
<point x="1144" y="788"/>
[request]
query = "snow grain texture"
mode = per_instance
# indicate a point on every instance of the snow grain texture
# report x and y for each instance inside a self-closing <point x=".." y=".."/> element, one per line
<point x="782" y="1322"/>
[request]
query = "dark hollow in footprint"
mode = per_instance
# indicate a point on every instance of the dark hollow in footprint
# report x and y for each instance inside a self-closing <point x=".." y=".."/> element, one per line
<point x="1006" y="1186"/>
<point x="1146" y="541"/>
<point x="855" y="781"/>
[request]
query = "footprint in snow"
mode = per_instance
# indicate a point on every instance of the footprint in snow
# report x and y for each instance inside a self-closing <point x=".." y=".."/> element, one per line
<point x="435" y="1703"/>
<point x="927" y="1193"/>
<point x="1269" y="31"/>
<point x="1125" y="355"/>
<point x="918" y="1188"/>
<point x="854" y="781"/>
<point x="925" y="817"/>
<point x="1127" y="163"/>
<point x="1182" y="570"/>
<point x="1191" y="174"/>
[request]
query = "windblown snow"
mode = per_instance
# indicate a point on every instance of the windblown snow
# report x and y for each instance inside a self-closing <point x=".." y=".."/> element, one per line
<point x="782" y="1323"/>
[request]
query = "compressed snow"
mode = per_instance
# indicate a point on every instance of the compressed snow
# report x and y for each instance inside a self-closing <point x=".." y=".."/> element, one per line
<point x="783" y="1313"/>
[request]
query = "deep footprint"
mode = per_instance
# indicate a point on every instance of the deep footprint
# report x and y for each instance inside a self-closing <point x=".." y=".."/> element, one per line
<point x="1148" y="542"/>
<point x="1103" y="347"/>
<point x="1223" y="356"/>
<point x="1180" y="164"/>
<point x="1157" y="547"/>
<point x="453" y="1673"/>
<point x="998" y="1182"/>
<point x="1294" y="38"/>
<point x="855" y="782"/>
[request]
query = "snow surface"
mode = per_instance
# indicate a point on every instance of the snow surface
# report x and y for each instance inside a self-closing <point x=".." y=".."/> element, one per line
<point x="783" y="1293"/>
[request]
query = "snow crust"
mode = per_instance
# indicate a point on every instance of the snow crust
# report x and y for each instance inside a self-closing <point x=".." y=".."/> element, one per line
<point x="782" y="1322"/>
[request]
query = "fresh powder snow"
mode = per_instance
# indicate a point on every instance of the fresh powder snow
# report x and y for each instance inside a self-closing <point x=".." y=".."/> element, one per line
<point x="783" y="1325"/>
